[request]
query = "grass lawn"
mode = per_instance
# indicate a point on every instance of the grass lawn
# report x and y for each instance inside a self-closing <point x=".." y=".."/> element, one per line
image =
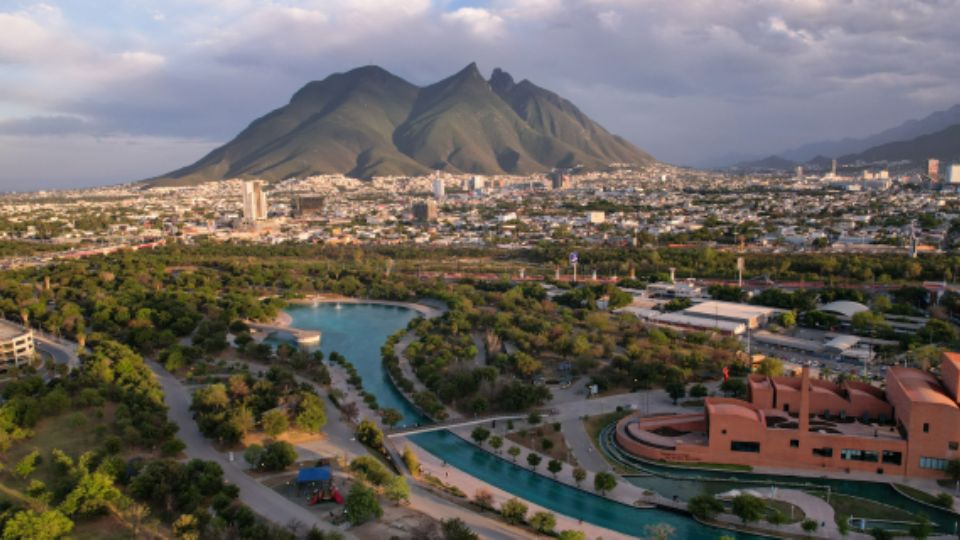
<point x="794" y="513"/>
<point x="533" y="437"/>
<point x="864" y="508"/>
<point x="595" y="424"/>
<point x="919" y="494"/>
<point x="73" y="432"/>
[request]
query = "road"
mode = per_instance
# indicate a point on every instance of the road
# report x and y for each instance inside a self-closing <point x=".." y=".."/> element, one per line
<point x="61" y="354"/>
<point x="261" y="499"/>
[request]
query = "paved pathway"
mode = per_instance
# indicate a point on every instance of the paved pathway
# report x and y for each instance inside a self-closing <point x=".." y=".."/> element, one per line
<point x="261" y="499"/>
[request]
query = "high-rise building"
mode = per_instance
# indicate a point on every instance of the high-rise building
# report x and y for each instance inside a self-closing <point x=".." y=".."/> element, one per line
<point x="559" y="180"/>
<point x="425" y="211"/>
<point x="254" y="201"/>
<point x="954" y="176"/>
<point x="933" y="169"/>
<point x="308" y="205"/>
<point x="439" y="191"/>
<point x="799" y="172"/>
<point x="833" y="169"/>
<point x="477" y="183"/>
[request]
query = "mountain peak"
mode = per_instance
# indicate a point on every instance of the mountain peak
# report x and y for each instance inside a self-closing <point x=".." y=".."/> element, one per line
<point x="368" y="122"/>
<point x="501" y="81"/>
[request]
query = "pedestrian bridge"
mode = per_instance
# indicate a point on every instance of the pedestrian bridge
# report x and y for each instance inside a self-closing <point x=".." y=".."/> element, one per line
<point x="303" y="337"/>
<point x="451" y="424"/>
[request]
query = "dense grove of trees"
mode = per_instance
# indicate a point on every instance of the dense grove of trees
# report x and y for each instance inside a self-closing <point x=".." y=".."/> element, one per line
<point x="228" y="411"/>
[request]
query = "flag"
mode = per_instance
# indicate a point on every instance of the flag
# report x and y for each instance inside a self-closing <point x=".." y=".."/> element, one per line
<point x="726" y="373"/>
<point x="574" y="257"/>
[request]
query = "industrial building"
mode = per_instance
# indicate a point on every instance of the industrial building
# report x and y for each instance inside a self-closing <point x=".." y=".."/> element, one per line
<point x="911" y="429"/>
<point x="16" y="345"/>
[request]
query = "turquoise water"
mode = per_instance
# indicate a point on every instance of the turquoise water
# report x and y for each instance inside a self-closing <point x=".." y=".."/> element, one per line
<point x="357" y="331"/>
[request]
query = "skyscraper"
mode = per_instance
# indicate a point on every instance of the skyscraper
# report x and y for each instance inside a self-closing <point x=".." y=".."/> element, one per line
<point x="933" y="169"/>
<point x="254" y="201"/>
<point x="438" y="189"/>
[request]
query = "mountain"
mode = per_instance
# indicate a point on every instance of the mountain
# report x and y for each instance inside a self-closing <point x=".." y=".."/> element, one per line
<point x="943" y="145"/>
<point x="770" y="163"/>
<point x="908" y="130"/>
<point x="368" y="122"/>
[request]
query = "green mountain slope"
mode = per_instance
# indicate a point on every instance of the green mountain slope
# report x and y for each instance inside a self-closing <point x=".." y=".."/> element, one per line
<point x="943" y="145"/>
<point x="368" y="122"/>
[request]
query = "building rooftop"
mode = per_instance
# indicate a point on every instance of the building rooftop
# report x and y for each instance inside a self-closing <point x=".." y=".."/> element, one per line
<point x="727" y="408"/>
<point x="920" y="386"/>
<point x="729" y="310"/>
<point x="846" y="308"/>
<point x="9" y="330"/>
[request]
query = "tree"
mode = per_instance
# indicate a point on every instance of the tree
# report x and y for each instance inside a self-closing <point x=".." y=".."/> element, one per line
<point x="809" y="525"/>
<point x="698" y="391"/>
<point x="534" y="459"/>
<point x="30" y="525"/>
<point x="555" y="466"/>
<point x="390" y="416"/>
<point x="543" y="522"/>
<point x="788" y="319"/>
<point x="748" y="508"/>
<point x="361" y="504"/>
<point x="94" y="493"/>
<point x="513" y="511"/>
<point x="704" y="506"/>
<point x="843" y="523"/>
<point x="275" y="422"/>
<point x="483" y="498"/>
<point x="397" y="489"/>
<point x="571" y="535"/>
<point x="186" y="527"/>
<point x="953" y="469"/>
<point x="278" y="455"/>
<point x="579" y="475"/>
<point x="881" y="534"/>
<point x="496" y="442"/>
<point x="479" y="435"/>
<point x="369" y="434"/>
<point x="777" y="518"/>
<point x="253" y="455"/>
<point x="676" y="389"/>
<point x="312" y="415"/>
<point x="604" y="482"/>
<point x="945" y="500"/>
<point x="922" y="529"/>
<point x="514" y="452"/>
<point x="734" y="387"/>
<point x="411" y="460"/>
<point x="771" y="367"/>
<point x="456" y="529"/>
<point x="27" y="464"/>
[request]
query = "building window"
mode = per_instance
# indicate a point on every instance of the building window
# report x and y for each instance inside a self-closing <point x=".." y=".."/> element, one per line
<point x="926" y="427"/>
<point x="794" y="443"/>
<point x="744" y="446"/>
<point x="953" y="445"/>
<point x="859" y="455"/>
<point x="933" y="463"/>
<point x="826" y="451"/>
<point x="894" y="458"/>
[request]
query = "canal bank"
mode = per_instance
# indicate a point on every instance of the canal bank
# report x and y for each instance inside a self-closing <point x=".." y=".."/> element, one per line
<point x="357" y="330"/>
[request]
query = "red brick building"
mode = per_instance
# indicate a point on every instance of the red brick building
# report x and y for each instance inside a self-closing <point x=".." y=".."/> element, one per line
<point x="911" y="429"/>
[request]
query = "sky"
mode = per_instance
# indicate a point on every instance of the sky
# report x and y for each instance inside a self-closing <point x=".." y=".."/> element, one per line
<point x="104" y="91"/>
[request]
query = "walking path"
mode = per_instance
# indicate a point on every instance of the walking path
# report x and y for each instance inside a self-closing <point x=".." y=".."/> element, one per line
<point x="261" y="499"/>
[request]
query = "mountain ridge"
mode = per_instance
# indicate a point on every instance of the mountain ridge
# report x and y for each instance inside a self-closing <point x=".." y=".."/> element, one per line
<point x="369" y="122"/>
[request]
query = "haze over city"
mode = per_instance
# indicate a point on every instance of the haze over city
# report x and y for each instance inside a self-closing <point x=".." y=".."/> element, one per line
<point x="102" y="93"/>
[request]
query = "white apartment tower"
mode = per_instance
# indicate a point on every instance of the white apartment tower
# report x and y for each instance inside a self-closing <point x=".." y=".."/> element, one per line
<point x="439" y="192"/>
<point x="954" y="175"/>
<point x="254" y="201"/>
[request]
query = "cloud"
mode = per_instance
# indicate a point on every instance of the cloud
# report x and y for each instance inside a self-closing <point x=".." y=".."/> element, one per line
<point x="679" y="78"/>
<point x="478" y="21"/>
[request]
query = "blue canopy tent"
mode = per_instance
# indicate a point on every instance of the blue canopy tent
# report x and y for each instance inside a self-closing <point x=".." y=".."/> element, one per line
<point x="315" y="478"/>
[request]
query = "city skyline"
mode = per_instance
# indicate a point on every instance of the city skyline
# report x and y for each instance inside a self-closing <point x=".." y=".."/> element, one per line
<point x="156" y="85"/>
